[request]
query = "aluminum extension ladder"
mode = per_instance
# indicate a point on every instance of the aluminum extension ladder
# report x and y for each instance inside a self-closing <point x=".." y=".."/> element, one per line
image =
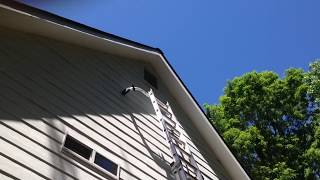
<point x="183" y="167"/>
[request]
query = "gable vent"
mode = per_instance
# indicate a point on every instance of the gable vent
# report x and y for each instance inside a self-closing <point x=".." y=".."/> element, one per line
<point x="150" y="78"/>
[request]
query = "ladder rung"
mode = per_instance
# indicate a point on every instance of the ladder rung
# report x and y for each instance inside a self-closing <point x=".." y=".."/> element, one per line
<point x="170" y="121"/>
<point x="183" y="161"/>
<point x="174" y="132"/>
<point x="172" y="129"/>
<point x="166" y="112"/>
<point x="189" y="172"/>
<point x="188" y="163"/>
<point x="161" y="104"/>
<point x="182" y="151"/>
<point x="169" y="125"/>
<point x="178" y="140"/>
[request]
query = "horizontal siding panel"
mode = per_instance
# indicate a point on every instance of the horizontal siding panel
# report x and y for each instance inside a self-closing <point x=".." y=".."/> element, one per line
<point x="124" y="175"/>
<point x="37" y="124"/>
<point x="113" y="88"/>
<point x="82" y="130"/>
<point x="44" y="148"/>
<point x="6" y="176"/>
<point x="204" y="167"/>
<point x="38" y="138"/>
<point x="58" y="87"/>
<point x="31" y="160"/>
<point x="144" y="128"/>
<point x="162" y="148"/>
<point x="98" y="129"/>
<point x="118" y="156"/>
<point x="77" y="123"/>
<point x="20" y="171"/>
<point x="136" y="159"/>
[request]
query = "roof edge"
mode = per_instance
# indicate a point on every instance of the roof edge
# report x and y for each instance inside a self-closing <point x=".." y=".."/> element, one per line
<point x="96" y="32"/>
<point x="74" y="25"/>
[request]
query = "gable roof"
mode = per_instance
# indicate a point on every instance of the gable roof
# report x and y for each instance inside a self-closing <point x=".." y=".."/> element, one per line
<point x="24" y="18"/>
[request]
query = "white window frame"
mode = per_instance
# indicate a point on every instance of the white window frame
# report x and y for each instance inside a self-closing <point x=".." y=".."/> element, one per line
<point x="89" y="162"/>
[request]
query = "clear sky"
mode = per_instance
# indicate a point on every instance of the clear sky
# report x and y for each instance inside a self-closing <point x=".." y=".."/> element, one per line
<point x="208" y="41"/>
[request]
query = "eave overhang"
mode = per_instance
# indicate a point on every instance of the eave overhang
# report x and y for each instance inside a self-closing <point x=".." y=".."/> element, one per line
<point x="23" y="18"/>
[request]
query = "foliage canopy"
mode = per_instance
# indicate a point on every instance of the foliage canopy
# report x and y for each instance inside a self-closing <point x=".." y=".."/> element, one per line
<point x="271" y="123"/>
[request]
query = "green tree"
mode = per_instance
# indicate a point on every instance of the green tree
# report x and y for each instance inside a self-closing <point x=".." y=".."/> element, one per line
<point x="313" y="152"/>
<point x="270" y="123"/>
<point x="313" y="80"/>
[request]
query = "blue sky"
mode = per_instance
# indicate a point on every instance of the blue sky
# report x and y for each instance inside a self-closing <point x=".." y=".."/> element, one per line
<point x="208" y="41"/>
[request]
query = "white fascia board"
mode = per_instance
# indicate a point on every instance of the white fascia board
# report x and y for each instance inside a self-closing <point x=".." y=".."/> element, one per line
<point x="26" y="22"/>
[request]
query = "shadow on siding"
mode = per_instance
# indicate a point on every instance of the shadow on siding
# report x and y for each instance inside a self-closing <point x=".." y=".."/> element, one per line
<point x="156" y="157"/>
<point x="48" y="87"/>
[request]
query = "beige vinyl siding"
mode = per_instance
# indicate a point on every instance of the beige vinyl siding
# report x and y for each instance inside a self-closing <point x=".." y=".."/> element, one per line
<point x="49" y="88"/>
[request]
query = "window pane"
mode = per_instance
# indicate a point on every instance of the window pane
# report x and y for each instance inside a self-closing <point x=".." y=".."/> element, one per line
<point x="106" y="164"/>
<point x="75" y="146"/>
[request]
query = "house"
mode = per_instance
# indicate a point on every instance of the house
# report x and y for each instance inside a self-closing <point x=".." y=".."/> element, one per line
<point x="63" y="116"/>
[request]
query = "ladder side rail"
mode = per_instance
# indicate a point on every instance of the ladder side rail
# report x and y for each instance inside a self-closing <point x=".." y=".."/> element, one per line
<point x="157" y="109"/>
<point x="178" y="128"/>
<point x="180" y="174"/>
<point x="193" y="162"/>
<point x="178" y="168"/>
<point x="187" y="149"/>
<point x="162" y="124"/>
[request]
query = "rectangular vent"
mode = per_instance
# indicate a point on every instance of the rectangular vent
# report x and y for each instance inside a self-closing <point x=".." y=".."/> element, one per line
<point x="150" y="78"/>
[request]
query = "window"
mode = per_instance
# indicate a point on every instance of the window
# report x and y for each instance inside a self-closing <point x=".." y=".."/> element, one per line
<point x="150" y="78"/>
<point x="106" y="164"/>
<point x="92" y="158"/>
<point x="77" y="147"/>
